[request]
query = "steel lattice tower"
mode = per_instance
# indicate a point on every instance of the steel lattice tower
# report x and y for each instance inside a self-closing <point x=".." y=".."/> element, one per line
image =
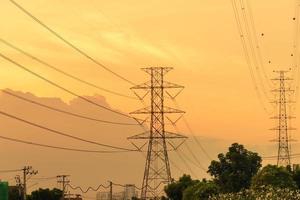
<point x="284" y="152"/>
<point x="157" y="168"/>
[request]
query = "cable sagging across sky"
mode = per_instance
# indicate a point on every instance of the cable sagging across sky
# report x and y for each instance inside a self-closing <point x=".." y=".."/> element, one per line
<point x="56" y="147"/>
<point x="63" y="134"/>
<point x="64" y="111"/>
<point x="248" y="56"/>
<point x="69" y="43"/>
<point x="61" y="71"/>
<point x="60" y="87"/>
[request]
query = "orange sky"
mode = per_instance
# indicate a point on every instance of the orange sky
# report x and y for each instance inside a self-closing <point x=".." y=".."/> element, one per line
<point x="198" y="38"/>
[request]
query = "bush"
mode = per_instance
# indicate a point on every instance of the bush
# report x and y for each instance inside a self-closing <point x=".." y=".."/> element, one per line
<point x="201" y="191"/>
<point x="264" y="193"/>
<point x="271" y="175"/>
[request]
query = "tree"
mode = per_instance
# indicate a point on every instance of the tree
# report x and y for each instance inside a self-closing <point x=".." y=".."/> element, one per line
<point x="175" y="190"/>
<point x="201" y="191"/>
<point x="296" y="177"/>
<point x="46" y="194"/>
<point x="271" y="175"/>
<point x="15" y="193"/>
<point x="235" y="170"/>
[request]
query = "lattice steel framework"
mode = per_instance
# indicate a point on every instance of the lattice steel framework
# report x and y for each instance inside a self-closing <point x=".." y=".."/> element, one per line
<point x="283" y="129"/>
<point x="157" y="168"/>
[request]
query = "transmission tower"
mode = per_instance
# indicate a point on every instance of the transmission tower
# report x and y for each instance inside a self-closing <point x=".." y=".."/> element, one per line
<point x="282" y="119"/>
<point x="157" y="168"/>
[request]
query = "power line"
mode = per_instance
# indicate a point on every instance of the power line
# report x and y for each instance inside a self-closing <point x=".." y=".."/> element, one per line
<point x="45" y="178"/>
<point x="56" y="147"/>
<point x="185" y="163"/>
<point x="60" y="87"/>
<point x="192" y="132"/>
<point x="176" y="166"/>
<point x="295" y="155"/>
<point x="296" y="69"/>
<point x="252" y="49"/>
<point x="64" y="111"/>
<point x="198" y="164"/>
<point x="247" y="56"/>
<point x="259" y="53"/>
<point x="61" y="71"/>
<point x="69" y="43"/>
<point x="196" y="139"/>
<point x="63" y="134"/>
<point x="10" y="171"/>
<point x="88" y="189"/>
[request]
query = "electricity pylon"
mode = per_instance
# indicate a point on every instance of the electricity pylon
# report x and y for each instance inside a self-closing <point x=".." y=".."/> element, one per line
<point x="157" y="168"/>
<point x="282" y="117"/>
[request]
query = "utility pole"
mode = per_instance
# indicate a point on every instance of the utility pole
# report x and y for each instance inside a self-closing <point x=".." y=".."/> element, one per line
<point x="110" y="190"/>
<point x="157" y="171"/>
<point x="282" y="119"/>
<point x="27" y="170"/>
<point x="63" y="179"/>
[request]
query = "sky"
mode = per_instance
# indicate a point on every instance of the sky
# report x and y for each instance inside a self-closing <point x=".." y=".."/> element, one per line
<point x="199" y="39"/>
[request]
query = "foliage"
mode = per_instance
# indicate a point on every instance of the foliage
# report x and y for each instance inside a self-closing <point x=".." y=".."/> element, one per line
<point x="201" y="191"/>
<point x="46" y="194"/>
<point x="15" y="193"/>
<point x="265" y="193"/>
<point x="175" y="190"/>
<point x="296" y="177"/>
<point x="271" y="175"/>
<point x="235" y="170"/>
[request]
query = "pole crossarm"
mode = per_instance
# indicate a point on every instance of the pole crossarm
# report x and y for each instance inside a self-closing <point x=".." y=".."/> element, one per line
<point x="147" y="135"/>
<point x="166" y="110"/>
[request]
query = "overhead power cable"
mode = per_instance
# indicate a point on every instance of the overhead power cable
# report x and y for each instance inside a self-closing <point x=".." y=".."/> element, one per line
<point x="88" y="189"/>
<point x="61" y="133"/>
<point x="45" y="178"/>
<point x="173" y="164"/>
<point x="60" y="87"/>
<point x="57" y="147"/>
<point x="247" y="56"/>
<point x="252" y="49"/>
<point x="295" y="155"/>
<point x="259" y="53"/>
<point x="199" y="166"/>
<point x="69" y="43"/>
<point x="61" y="71"/>
<point x="10" y="171"/>
<point x="296" y="68"/>
<point x="198" y="163"/>
<point x="181" y="157"/>
<point x="192" y="132"/>
<point x="64" y="111"/>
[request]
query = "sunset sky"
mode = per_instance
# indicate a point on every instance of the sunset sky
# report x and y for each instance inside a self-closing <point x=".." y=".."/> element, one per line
<point x="198" y="38"/>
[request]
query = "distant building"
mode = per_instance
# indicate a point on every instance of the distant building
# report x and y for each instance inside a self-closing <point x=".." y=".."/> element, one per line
<point x="73" y="197"/>
<point x="127" y="194"/>
<point x="103" y="196"/>
<point x="118" y="196"/>
<point x="106" y="196"/>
